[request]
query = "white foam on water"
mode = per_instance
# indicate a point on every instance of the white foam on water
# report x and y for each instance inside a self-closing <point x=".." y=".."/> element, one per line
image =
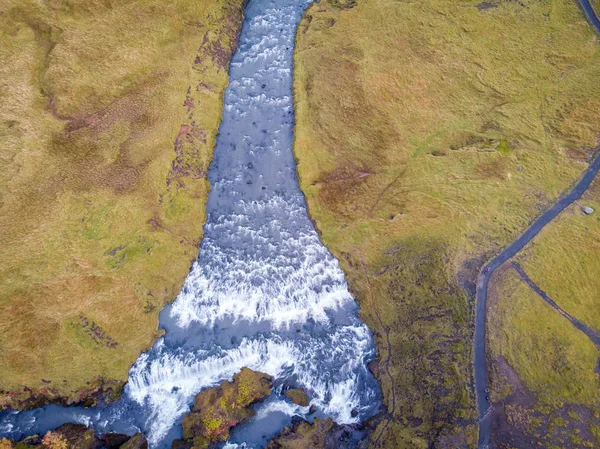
<point x="281" y="406"/>
<point x="166" y="384"/>
<point x="288" y="278"/>
<point x="234" y="446"/>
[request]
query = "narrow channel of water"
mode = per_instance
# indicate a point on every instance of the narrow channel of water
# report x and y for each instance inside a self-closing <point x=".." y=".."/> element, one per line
<point x="264" y="292"/>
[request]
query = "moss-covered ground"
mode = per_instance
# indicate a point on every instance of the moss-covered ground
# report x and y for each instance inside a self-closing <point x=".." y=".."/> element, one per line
<point x="108" y="116"/>
<point x="429" y="135"/>
<point x="216" y="410"/>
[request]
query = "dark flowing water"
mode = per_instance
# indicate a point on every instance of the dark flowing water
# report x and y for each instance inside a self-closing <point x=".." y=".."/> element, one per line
<point x="264" y="292"/>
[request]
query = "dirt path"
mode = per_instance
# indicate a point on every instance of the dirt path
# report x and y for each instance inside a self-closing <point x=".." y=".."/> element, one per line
<point x="480" y="368"/>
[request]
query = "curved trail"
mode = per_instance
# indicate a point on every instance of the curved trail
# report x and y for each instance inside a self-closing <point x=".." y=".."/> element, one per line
<point x="480" y="368"/>
<point x="481" y="385"/>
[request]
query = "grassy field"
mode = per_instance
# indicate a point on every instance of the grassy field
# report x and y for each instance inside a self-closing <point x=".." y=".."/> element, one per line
<point x="108" y="116"/>
<point x="556" y="363"/>
<point x="542" y="370"/>
<point x="552" y="358"/>
<point x="429" y="135"/>
<point x="564" y="260"/>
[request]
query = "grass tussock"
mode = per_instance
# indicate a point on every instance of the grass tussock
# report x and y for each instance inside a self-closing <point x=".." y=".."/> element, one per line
<point x="108" y="116"/>
<point x="429" y="135"/>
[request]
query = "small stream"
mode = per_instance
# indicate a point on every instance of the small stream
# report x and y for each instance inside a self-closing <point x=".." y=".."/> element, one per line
<point x="264" y="292"/>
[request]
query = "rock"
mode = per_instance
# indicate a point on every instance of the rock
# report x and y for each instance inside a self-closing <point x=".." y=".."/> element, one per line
<point x="587" y="210"/>
<point x="114" y="440"/>
<point x="77" y="436"/>
<point x="302" y="435"/>
<point x="217" y="410"/>
<point x="321" y="434"/>
<point x="30" y="441"/>
<point x="298" y="397"/>
<point x="181" y="444"/>
<point x="71" y="436"/>
<point x="138" y="441"/>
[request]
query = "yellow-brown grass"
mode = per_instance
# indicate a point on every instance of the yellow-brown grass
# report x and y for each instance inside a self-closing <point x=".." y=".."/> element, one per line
<point x="103" y="187"/>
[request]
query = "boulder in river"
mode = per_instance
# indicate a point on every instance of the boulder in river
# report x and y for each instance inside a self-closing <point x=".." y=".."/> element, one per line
<point x="217" y="410"/>
<point x="114" y="440"/>
<point x="298" y="397"/>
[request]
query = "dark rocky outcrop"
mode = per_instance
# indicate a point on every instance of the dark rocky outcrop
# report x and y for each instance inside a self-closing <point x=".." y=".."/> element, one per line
<point x="321" y="434"/>
<point x="76" y="436"/>
<point x="71" y="436"/>
<point x="217" y="410"/>
<point x="114" y="440"/>
<point x="138" y="441"/>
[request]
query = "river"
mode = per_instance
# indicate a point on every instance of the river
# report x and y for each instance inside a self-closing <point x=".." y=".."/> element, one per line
<point x="264" y="292"/>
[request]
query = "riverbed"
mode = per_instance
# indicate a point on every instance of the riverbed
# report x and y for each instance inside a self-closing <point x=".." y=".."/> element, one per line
<point x="264" y="292"/>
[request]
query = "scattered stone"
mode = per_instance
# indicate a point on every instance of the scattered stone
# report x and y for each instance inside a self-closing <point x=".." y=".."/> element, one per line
<point x="587" y="210"/>
<point x="217" y="410"/>
<point x="298" y="397"/>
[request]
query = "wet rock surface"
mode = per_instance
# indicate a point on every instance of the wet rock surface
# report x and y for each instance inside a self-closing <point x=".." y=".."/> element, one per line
<point x="114" y="440"/>
<point x="138" y="441"/>
<point x="321" y="434"/>
<point x="77" y="436"/>
<point x="298" y="397"/>
<point x="217" y="410"/>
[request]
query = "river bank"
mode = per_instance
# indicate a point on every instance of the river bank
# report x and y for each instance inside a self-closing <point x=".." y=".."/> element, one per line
<point x="109" y="119"/>
<point x="423" y="148"/>
<point x="264" y="292"/>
